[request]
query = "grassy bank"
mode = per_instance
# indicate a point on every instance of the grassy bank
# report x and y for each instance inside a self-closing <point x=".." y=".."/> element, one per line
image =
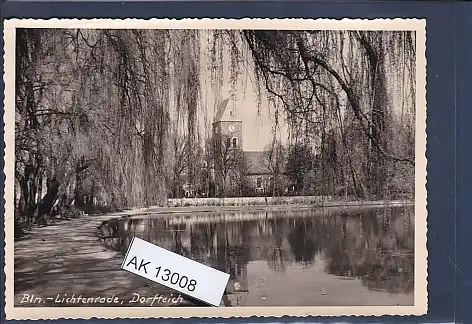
<point x="292" y="200"/>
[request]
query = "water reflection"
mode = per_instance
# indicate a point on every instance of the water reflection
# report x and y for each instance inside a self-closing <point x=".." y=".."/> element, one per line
<point x="373" y="245"/>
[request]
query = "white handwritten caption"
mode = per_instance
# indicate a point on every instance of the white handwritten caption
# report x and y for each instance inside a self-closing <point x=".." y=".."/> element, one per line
<point x="175" y="271"/>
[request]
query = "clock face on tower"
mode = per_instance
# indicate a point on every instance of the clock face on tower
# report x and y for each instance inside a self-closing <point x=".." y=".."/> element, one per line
<point x="231" y="128"/>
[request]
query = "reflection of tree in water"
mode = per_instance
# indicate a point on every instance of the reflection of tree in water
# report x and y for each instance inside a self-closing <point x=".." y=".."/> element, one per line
<point x="219" y="245"/>
<point x="277" y="258"/>
<point x="388" y="271"/>
<point x="382" y="256"/>
<point x="374" y="245"/>
<point x="342" y="250"/>
<point x="116" y="234"/>
<point x="304" y="240"/>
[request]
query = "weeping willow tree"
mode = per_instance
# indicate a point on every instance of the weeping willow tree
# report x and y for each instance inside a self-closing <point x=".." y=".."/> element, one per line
<point x="95" y="113"/>
<point x="350" y="95"/>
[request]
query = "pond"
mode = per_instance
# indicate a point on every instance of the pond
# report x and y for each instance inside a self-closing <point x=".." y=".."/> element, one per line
<point x="290" y="257"/>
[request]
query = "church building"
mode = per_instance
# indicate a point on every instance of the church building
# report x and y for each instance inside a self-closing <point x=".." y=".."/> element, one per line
<point x="229" y="153"/>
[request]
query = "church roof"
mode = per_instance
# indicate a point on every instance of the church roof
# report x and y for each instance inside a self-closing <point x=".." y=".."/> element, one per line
<point x="255" y="163"/>
<point x="221" y="110"/>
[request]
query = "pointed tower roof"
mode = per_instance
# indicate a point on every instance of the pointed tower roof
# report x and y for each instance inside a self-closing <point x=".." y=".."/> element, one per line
<point x="221" y="110"/>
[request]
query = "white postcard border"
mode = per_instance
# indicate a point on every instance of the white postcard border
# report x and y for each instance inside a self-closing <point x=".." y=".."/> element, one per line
<point x="420" y="277"/>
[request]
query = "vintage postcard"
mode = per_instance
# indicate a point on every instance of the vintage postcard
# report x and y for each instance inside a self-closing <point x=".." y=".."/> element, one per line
<point x="288" y="155"/>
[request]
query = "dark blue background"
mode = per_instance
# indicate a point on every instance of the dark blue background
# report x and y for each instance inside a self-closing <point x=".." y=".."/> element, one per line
<point x="448" y="93"/>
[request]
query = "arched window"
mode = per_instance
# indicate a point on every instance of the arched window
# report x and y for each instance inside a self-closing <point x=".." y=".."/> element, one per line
<point x="228" y="142"/>
<point x="235" y="142"/>
<point x="259" y="182"/>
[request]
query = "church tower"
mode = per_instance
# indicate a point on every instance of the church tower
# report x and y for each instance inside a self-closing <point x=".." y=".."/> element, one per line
<point x="228" y="147"/>
<point x="228" y="127"/>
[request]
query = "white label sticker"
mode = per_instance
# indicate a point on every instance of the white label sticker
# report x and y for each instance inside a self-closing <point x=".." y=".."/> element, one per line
<point x="175" y="271"/>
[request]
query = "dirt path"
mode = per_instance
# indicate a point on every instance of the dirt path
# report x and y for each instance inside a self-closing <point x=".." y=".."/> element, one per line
<point x="68" y="258"/>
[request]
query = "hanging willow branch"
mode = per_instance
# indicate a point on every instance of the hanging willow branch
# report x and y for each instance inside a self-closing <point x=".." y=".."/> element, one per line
<point x="263" y="52"/>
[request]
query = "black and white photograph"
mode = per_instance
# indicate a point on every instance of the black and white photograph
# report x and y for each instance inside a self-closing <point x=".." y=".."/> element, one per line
<point x="288" y="154"/>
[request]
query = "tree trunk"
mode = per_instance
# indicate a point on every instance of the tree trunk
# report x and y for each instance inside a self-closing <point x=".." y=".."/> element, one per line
<point x="47" y="203"/>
